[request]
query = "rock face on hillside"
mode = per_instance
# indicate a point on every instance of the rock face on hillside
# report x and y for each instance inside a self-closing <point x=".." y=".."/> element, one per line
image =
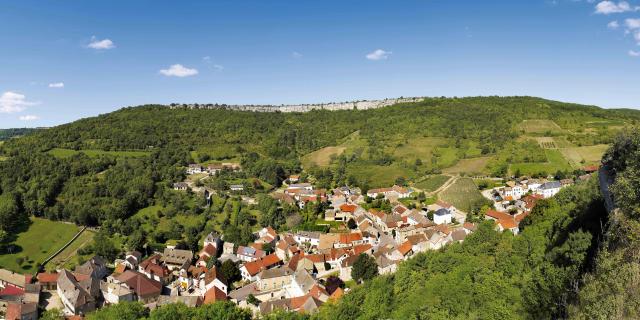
<point x="350" y="105"/>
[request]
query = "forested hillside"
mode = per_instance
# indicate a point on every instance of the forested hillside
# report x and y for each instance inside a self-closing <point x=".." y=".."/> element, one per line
<point x="10" y="133"/>
<point x="610" y="291"/>
<point x="115" y="171"/>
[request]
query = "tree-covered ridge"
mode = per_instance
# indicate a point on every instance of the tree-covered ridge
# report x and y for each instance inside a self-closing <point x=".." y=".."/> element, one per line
<point x="6" y="134"/>
<point x="610" y="291"/>
<point x="490" y="120"/>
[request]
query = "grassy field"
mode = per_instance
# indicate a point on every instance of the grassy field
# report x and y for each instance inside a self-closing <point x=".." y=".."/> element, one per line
<point x="322" y="157"/>
<point x="469" y="166"/>
<point x="41" y="240"/>
<point x="540" y="126"/>
<point x="379" y="176"/>
<point x="555" y="161"/>
<point x="67" y="258"/>
<point x="432" y="183"/>
<point x="418" y="148"/>
<point x="462" y="194"/>
<point x="65" y="153"/>
<point x="153" y="223"/>
<point x="579" y="156"/>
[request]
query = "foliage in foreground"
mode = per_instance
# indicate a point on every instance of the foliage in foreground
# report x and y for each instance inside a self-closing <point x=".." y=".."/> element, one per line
<point x="491" y="275"/>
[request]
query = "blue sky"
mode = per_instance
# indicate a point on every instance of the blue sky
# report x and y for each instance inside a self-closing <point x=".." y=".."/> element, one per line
<point x="65" y="60"/>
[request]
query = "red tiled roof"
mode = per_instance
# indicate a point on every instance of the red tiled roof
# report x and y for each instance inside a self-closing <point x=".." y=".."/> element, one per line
<point x="507" y="223"/>
<point x="151" y="265"/>
<point x="213" y="274"/>
<point x="256" y="266"/>
<point x="315" y="258"/>
<point x="361" y="248"/>
<point x="317" y="291"/>
<point x="498" y="215"/>
<point x="210" y="250"/>
<point x="45" y="277"/>
<point x="348" y="208"/>
<point x="142" y="285"/>
<point x="14" y="311"/>
<point x="348" y="238"/>
<point x="213" y="295"/>
<point x="120" y="267"/>
<point x="592" y="168"/>
<point x="405" y="248"/>
<point x="11" y="291"/>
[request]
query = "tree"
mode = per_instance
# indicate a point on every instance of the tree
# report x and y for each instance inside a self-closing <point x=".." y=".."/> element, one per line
<point x="122" y="310"/>
<point x="230" y="271"/>
<point x="333" y="283"/>
<point x="364" y="268"/>
<point x="351" y="224"/>
<point x="10" y="214"/>
<point x="253" y="300"/>
<point x="104" y="247"/>
<point x="267" y="247"/>
<point x="52" y="314"/>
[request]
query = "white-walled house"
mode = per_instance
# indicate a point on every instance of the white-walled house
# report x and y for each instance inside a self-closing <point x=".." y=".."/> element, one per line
<point x="442" y="216"/>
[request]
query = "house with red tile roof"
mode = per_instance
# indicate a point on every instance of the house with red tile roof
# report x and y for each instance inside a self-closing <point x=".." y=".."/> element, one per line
<point x="146" y="289"/>
<point x="250" y="270"/>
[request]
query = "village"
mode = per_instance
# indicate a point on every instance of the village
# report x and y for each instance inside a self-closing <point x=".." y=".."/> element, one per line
<point x="287" y="270"/>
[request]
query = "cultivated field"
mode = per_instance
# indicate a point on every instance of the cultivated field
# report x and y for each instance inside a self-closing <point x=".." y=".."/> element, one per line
<point x="469" y="166"/>
<point x="379" y="176"/>
<point x="432" y="183"/>
<point x="43" y="238"/>
<point x="463" y="194"/>
<point x="65" y="153"/>
<point x="67" y="258"/>
<point x="579" y="156"/>
<point x="540" y="126"/>
<point x="555" y="162"/>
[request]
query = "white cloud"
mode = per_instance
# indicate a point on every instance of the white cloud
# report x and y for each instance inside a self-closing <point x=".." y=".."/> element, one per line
<point x="218" y="67"/>
<point x="104" y="44"/>
<point x="296" y="55"/>
<point x="632" y="24"/>
<point x="178" y="70"/>
<point x="11" y="102"/>
<point x="609" y="7"/>
<point x="636" y="36"/>
<point x="56" y="85"/>
<point x="29" y="117"/>
<point x="379" y="54"/>
<point x="633" y="53"/>
<point x="613" y="25"/>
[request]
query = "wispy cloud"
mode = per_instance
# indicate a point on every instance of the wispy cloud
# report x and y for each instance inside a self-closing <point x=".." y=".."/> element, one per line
<point x="209" y="62"/>
<point x="613" y="25"/>
<point x="632" y="24"/>
<point x="104" y="44"/>
<point x="296" y="55"/>
<point x="178" y="70"/>
<point x="29" y="117"/>
<point x="378" y="54"/>
<point x="609" y="7"/>
<point x="11" y="102"/>
<point x="633" y="53"/>
<point x="56" y="85"/>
